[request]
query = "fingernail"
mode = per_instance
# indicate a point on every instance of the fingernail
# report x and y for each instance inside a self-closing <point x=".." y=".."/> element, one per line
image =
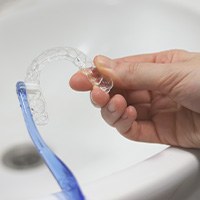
<point x="104" y="62"/>
<point x="111" y="107"/>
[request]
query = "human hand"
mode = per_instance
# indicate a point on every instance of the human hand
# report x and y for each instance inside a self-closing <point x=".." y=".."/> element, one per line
<point x="156" y="97"/>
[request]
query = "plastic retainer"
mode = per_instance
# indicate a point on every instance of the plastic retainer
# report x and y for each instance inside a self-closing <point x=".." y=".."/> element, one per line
<point x="32" y="80"/>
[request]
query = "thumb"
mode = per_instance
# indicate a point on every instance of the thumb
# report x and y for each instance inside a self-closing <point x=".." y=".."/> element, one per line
<point x="140" y="76"/>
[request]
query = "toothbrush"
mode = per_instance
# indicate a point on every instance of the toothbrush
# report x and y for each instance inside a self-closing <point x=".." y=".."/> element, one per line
<point x="60" y="171"/>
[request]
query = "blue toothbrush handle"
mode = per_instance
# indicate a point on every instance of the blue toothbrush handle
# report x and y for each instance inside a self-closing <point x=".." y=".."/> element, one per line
<point x="60" y="171"/>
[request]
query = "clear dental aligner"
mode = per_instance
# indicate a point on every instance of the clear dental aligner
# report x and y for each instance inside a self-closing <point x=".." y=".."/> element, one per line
<point x="32" y="80"/>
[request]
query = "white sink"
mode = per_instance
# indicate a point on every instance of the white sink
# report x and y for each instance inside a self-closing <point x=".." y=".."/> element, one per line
<point x="106" y="165"/>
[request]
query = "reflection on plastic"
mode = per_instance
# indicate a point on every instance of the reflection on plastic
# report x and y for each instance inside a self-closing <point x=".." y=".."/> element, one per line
<point x="60" y="196"/>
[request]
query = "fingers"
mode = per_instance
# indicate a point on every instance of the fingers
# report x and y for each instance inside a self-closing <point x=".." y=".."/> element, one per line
<point x="129" y="121"/>
<point x="114" y="109"/>
<point x="80" y="82"/>
<point x="140" y="72"/>
<point x="131" y="76"/>
<point x="124" y="123"/>
<point x="98" y="97"/>
<point x="128" y="107"/>
<point x="143" y="131"/>
<point x="118" y="115"/>
<point x="135" y="72"/>
<point x="142" y="76"/>
<point x="168" y="56"/>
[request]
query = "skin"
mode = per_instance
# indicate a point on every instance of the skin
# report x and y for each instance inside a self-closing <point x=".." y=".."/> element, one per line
<point x="155" y="98"/>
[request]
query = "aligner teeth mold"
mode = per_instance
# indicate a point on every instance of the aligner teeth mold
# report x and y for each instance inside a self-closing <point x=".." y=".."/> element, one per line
<point x="32" y="79"/>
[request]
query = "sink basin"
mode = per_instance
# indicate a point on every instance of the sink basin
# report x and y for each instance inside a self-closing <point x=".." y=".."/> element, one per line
<point x="106" y="165"/>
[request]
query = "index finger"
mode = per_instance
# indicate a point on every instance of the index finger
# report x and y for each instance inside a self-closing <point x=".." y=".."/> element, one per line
<point x="80" y="82"/>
